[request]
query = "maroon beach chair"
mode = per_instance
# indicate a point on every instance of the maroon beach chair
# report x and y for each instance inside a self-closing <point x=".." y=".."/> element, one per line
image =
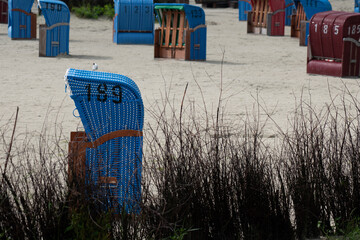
<point x="267" y="17"/>
<point x="3" y="11"/>
<point x="334" y="47"/>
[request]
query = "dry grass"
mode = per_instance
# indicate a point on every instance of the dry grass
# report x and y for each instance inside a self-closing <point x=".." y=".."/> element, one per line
<point x="201" y="180"/>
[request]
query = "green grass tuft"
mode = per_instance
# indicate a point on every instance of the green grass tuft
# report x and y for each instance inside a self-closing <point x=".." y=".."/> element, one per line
<point x="94" y="12"/>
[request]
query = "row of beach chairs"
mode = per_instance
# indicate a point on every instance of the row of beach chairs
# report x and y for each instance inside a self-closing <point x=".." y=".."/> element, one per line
<point x="53" y="36"/>
<point x="271" y="16"/>
<point x="332" y="37"/>
<point x="182" y="32"/>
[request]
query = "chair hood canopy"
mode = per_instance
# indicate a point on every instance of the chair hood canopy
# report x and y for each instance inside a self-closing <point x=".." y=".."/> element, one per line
<point x="289" y="3"/>
<point x="54" y="11"/>
<point x="21" y="4"/>
<point x="195" y="15"/>
<point x="314" y="6"/>
<point x="274" y="4"/>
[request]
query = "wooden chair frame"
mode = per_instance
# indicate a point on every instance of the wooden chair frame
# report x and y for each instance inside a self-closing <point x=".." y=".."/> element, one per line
<point x="77" y="152"/>
<point x="296" y="21"/>
<point x="173" y="37"/>
<point x="257" y="18"/>
<point x="168" y="44"/>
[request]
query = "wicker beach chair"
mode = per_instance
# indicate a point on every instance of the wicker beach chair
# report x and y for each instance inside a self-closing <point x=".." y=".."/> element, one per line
<point x="109" y="153"/>
<point x="182" y="32"/>
<point x="133" y="22"/>
<point x="267" y="17"/>
<point x="54" y="35"/>
<point x="289" y="11"/>
<point x="334" y="47"/>
<point x="21" y="22"/>
<point x="244" y="8"/>
<point x="305" y="9"/>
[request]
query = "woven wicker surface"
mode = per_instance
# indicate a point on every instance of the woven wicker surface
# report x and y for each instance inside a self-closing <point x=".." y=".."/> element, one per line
<point x="106" y="103"/>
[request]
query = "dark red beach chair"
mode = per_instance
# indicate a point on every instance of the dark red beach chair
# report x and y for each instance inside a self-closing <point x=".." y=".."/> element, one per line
<point x="334" y="47"/>
<point x="267" y="17"/>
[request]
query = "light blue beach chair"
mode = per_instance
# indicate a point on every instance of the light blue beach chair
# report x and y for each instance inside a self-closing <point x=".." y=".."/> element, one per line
<point x="54" y="35"/>
<point x="133" y="22"/>
<point x="244" y="8"/>
<point x="112" y="113"/>
<point x="21" y="22"/>
<point x="289" y="10"/>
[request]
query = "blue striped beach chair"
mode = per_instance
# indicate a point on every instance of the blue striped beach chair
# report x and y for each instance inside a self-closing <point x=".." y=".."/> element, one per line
<point x="112" y="113"/>
<point x="244" y="8"/>
<point x="289" y="10"/>
<point x="54" y="35"/>
<point x="21" y="22"/>
<point x="133" y="22"/>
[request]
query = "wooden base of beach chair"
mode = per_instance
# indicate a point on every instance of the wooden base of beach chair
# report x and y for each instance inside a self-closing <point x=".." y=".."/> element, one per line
<point x="77" y="152"/>
<point x="296" y="21"/>
<point x="33" y="25"/>
<point x="180" y="52"/>
<point x="259" y="28"/>
<point x="76" y="161"/>
<point x="42" y="40"/>
<point x="303" y="34"/>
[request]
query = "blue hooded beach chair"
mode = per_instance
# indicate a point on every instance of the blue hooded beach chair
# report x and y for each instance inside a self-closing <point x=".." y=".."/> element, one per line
<point x="305" y="9"/>
<point x="356" y="9"/>
<point x="21" y="22"/>
<point x="54" y="35"/>
<point x="289" y="10"/>
<point x="244" y="8"/>
<point x="112" y="113"/>
<point x="133" y="22"/>
<point x="182" y="32"/>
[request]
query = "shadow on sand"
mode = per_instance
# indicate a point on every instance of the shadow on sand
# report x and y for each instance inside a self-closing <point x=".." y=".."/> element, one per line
<point x="88" y="57"/>
<point x="218" y="62"/>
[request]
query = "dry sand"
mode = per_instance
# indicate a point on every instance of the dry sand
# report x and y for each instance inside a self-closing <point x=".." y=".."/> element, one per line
<point x="272" y="68"/>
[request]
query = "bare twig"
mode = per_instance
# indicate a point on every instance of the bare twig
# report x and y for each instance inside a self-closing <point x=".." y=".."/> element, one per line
<point x="11" y="141"/>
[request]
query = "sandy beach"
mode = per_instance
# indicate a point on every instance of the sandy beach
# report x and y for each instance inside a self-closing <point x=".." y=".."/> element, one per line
<point x="272" y="69"/>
